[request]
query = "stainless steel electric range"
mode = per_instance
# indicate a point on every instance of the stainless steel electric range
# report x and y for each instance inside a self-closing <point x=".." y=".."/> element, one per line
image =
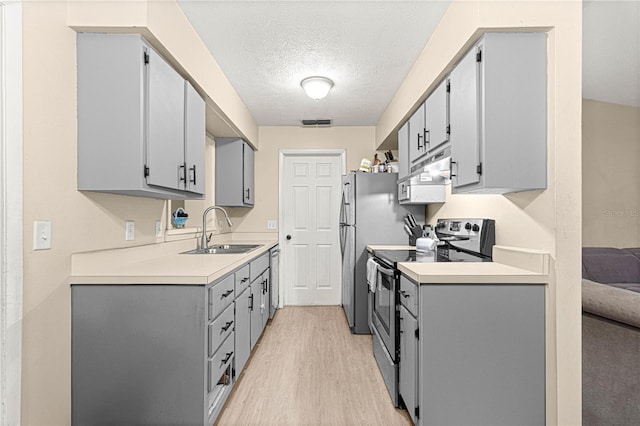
<point x="461" y="240"/>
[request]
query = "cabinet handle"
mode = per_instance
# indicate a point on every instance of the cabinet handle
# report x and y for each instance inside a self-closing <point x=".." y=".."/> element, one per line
<point x="251" y="304"/>
<point x="244" y="280"/>
<point x="247" y="193"/>
<point x="193" y="169"/>
<point x="227" y="325"/>
<point x="227" y="358"/>
<point x="451" y="169"/>
<point x="419" y="146"/>
<point x="427" y="140"/>
<point x="226" y="293"/>
<point x="182" y="174"/>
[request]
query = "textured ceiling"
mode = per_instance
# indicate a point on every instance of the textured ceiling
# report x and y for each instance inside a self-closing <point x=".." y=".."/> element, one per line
<point x="265" y="48"/>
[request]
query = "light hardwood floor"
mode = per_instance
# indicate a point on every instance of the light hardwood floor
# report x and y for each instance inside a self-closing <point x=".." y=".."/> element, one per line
<point x="308" y="369"/>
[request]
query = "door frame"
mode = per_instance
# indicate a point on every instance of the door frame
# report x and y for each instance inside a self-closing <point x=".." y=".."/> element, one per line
<point x="11" y="211"/>
<point x="284" y="153"/>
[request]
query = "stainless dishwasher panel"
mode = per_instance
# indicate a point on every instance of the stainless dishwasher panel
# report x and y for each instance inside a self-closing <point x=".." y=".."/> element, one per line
<point x="275" y="278"/>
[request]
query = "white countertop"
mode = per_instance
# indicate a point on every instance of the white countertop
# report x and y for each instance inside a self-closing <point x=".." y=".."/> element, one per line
<point x="162" y="263"/>
<point x="510" y="265"/>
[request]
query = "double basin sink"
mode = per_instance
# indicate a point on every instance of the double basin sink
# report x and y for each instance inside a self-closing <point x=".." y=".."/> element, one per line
<point x="224" y="249"/>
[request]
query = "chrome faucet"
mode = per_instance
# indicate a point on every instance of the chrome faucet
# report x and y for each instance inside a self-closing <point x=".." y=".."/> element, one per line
<point x="204" y="242"/>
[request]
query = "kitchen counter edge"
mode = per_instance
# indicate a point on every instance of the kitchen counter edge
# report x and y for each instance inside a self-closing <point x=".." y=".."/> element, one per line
<point x="160" y="264"/>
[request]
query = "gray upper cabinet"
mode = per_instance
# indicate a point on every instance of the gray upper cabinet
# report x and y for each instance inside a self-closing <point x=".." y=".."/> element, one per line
<point x="437" y="118"/>
<point x="498" y="115"/>
<point x="417" y="147"/>
<point x="195" y="122"/>
<point x="234" y="173"/>
<point x="141" y="126"/>
<point x="403" y="150"/>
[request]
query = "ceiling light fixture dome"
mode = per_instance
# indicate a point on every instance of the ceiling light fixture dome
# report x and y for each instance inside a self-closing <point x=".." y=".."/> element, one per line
<point x="316" y="87"/>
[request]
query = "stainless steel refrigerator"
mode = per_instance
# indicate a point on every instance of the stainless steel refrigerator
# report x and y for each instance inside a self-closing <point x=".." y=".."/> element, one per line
<point x="369" y="215"/>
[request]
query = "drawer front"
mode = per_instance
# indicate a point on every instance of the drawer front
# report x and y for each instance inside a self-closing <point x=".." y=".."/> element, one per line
<point x="219" y="362"/>
<point x="242" y="279"/>
<point x="222" y="327"/>
<point x="409" y="295"/>
<point x="221" y="295"/>
<point x="258" y="266"/>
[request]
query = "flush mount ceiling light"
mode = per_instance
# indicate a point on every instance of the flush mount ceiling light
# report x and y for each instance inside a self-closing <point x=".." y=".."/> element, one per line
<point x="316" y="87"/>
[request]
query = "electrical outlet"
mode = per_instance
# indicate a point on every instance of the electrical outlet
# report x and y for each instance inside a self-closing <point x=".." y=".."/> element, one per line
<point x="41" y="235"/>
<point x="272" y="224"/>
<point x="130" y="230"/>
<point x="158" y="229"/>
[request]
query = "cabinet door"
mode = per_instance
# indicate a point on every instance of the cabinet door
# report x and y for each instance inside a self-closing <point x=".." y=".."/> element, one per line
<point x="265" y="297"/>
<point x="408" y="361"/>
<point x="437" y="117"/>
<point x="416" y="135"/>
<point x="165" y="124"/>
<point x="243" y="330"/>
<point x="464" y="110"/>
<point x="403" y="150"/>
<point x="194" y="139"/>
<point x="248" y="195"/>
<point x="256" y="313"/>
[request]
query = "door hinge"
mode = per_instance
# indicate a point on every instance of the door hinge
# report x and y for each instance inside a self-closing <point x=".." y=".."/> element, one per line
<point x="145" y="57"/>
<point x="417" y="333"/>
<point x="449" y="129"/>
<point x="146" y="171"/>
<point x="479" y="56"/>
<point x="417" y="412"/>
<point x="448" y="86"/>
<point x="479" y="169"/>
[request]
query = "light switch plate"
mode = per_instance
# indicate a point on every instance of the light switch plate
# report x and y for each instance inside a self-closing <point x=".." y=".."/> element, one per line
<point x="158" y="229"/>
<point x="272" y="224"/>
<point x="41" y="235"/>
<point x="130" y="230"/>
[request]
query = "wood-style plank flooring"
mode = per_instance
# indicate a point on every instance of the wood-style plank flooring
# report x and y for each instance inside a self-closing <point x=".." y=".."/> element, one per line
<point x="308" y="369"/>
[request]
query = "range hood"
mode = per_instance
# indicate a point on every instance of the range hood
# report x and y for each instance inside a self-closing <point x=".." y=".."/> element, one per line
<point x="426" y="183"/>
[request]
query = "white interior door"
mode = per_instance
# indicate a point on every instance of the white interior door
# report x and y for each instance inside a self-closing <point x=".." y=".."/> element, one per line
<point x="310" y="188"/>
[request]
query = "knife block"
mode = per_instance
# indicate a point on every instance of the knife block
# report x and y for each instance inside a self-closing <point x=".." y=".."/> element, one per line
<point x="412" y="240"/>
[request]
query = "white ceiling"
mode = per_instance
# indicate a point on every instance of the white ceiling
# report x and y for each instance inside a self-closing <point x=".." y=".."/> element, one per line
<point x="265" y="48"/>
<point x="367" y="48"/>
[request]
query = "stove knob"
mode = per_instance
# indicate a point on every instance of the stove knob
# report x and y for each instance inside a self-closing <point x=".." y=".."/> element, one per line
<point x="467" y="226"/>
<point x="475" y="228"/>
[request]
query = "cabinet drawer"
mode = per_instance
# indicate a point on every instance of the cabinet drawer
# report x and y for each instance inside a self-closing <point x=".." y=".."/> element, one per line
<point x="409" y="295"/>
<point x="259" y="265"/>
<point x="242" y="279"/>
<point x="221" y="328"/>
<point x="221" y="295"/>
<point x="219" y="362"/>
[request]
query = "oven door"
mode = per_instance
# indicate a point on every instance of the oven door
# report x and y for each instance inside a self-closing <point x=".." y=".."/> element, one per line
<point x="384" y="307"/>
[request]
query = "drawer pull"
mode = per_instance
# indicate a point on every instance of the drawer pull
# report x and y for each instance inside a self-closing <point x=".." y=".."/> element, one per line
<point x="227" y="358"/>
<point x="404" y="294"/>
<point x="227" y="325"/>
<point x="244" y="280"/>
<point x="225" y="294"/>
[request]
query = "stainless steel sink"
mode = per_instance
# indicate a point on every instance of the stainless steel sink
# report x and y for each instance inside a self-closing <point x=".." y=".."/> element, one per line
<point x="225" y="249"/>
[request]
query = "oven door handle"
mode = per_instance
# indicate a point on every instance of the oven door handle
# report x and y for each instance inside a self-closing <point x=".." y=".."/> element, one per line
<point x="385" y="271"/>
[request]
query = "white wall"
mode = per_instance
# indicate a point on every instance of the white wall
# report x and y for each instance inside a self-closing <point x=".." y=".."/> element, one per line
<point x="610" y="174"/>
<point x="10" y="211"/>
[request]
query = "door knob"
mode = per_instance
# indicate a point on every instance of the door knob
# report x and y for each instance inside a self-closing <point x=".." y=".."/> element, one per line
<point x="288" y="237"/>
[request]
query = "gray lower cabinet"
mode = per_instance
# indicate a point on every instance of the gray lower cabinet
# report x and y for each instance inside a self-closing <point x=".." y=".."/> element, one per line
<point x="141" y="125"/>
<point x="409" y="338"/>
<point x="149" y="354"/>
<point x="243" y="329"/>
<point x="480" y="354"/>
<point x="498" y="115"/>
<point x="234" y="173"/>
